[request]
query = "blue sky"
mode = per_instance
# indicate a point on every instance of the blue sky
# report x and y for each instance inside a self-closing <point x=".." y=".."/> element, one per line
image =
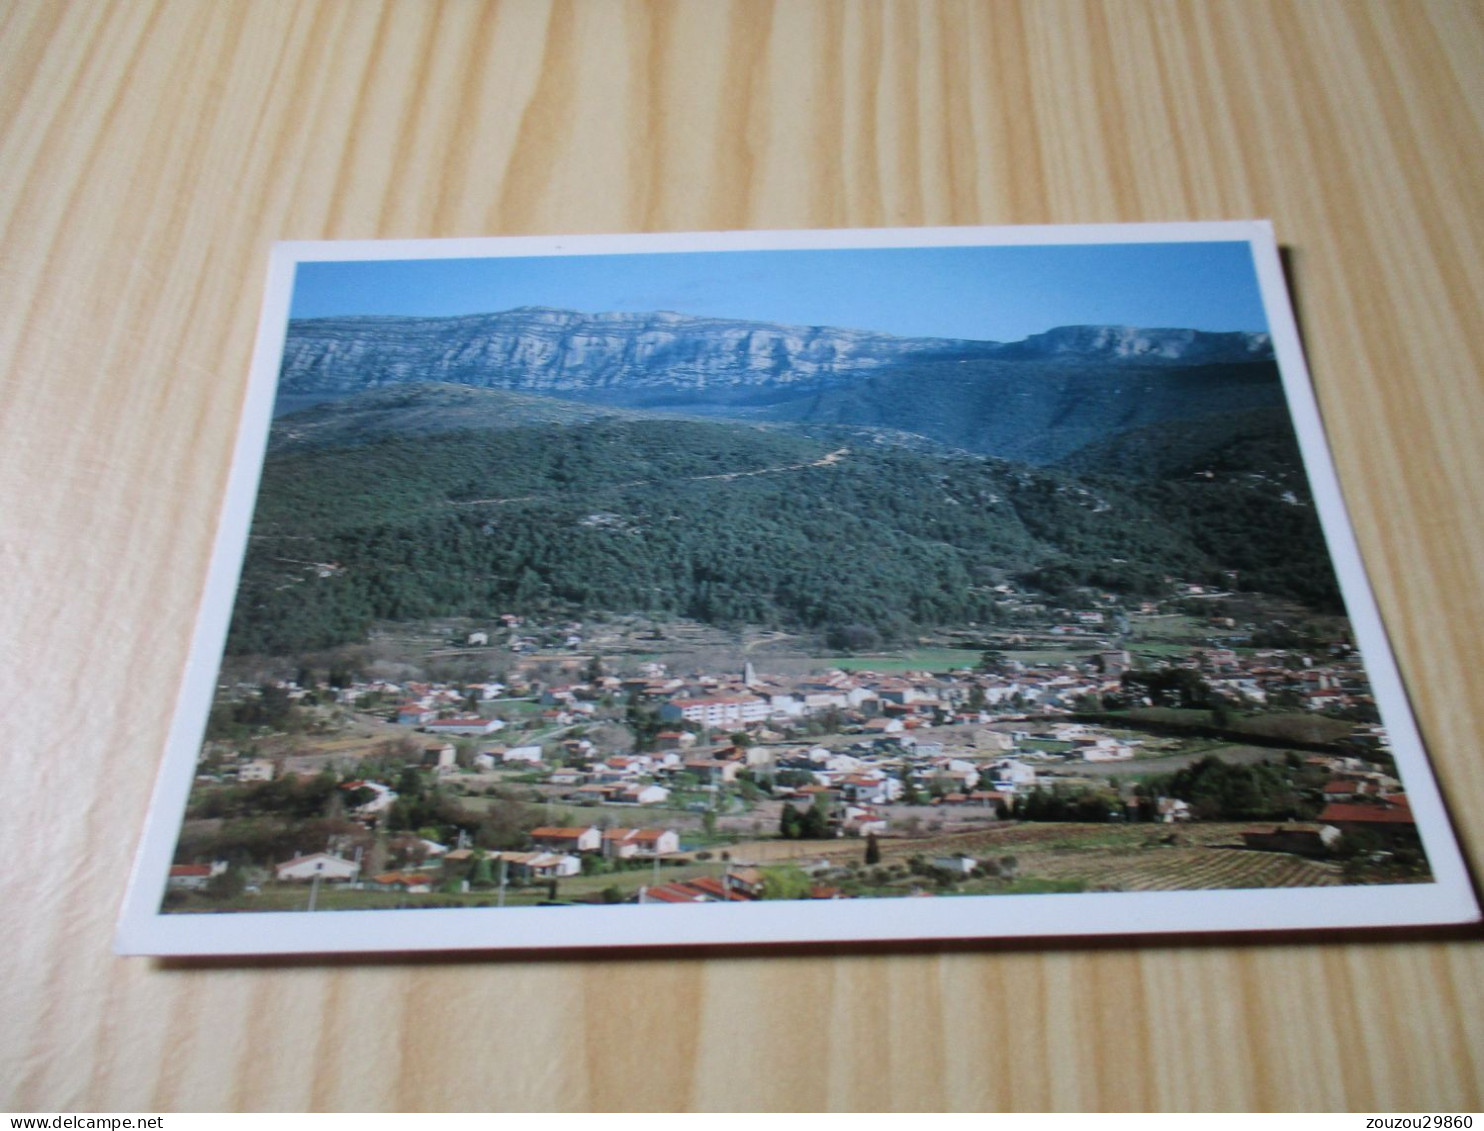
<point x="984" y="293"/>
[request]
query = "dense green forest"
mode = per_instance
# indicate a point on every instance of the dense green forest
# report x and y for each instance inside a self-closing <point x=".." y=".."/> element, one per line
<point x="626" y="515"/>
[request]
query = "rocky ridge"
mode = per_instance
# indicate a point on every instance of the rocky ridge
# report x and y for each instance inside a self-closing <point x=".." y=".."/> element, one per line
<point x="569" y="353"/>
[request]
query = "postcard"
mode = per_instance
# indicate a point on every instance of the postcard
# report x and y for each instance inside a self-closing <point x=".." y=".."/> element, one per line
<point x="782" y="587"/>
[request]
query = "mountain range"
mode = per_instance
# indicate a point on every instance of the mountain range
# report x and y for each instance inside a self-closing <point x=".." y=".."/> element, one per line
<point x="1038" y="400"/>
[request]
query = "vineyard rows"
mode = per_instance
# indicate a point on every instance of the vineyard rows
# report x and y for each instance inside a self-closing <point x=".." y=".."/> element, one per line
<point x="1134" y="857"/>
<point x="1171" y="869"/>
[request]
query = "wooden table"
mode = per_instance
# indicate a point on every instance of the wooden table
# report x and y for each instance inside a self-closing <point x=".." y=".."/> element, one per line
<point x="150" y="153"/>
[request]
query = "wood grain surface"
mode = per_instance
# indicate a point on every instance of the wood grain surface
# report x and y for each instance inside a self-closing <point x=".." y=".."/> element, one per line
<point x="150" y="153"/>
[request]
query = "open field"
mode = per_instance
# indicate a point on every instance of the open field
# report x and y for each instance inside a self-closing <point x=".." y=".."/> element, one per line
<point x="1160" y="651"/>
<point x="1167" y="627"/>
<point x="1290" y="726"/>
<point x="916" y="659"/>
<point x="1168" y="763"/>
<point x="1060" y="655"/>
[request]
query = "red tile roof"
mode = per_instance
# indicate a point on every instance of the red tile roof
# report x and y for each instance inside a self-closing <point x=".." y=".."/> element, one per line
<point x="549" y="833"/>
<point x="711" y="886"/>
<point x="647" y="835"/>
<point x="675" y="893"/>
<point x="1396" y="813"/>
<point x="407" y="879"/>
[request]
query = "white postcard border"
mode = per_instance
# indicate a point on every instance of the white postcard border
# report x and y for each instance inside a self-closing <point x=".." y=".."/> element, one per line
<point x="144" y="930"/>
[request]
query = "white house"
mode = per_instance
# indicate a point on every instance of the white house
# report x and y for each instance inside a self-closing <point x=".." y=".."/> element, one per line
<point x="467" y="724"/>
<point x="1009" y="774"/>
<point x="413" y="714"/>
<point x="959" y="865"/>
<point x="441" y="756"/>
<point x="555" y="839"/>
<point x="643" y="795"/>
<point x="524" y="866"/>
<point x="259" y="769"/>
<point x="382" y="799"/>
<point x="1107" y="750"/>
<point x="522" y="754"/>
<point x="717" y="711"/>
<point x="320" y="864"/>
<point x="194" y="876"/>
<point x="712" y="771"/>
<point x="785" y="706"/>
<point x="624" y="843"/>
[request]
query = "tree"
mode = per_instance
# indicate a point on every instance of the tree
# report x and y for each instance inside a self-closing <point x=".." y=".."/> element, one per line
<point x="790" y="823"/>
<point x="815" y="824"/>
<point x="1166" y="687"/>
<point x="787" y="881"/>
<point x="1223" y="712"/>
<point x="411" y="785"/>
<point x="852" y="638"/>
<point x="528" y="589"/>
<point x="481" y="874"/>
<point x="873" y="850"/>
<point x="644" y="721"/>
<point x="226" y="885"/>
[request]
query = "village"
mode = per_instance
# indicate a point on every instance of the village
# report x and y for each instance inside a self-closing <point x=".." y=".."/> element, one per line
<point x="571" y="778"/>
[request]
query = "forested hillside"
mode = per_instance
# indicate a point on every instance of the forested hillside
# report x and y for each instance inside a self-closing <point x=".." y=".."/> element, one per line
<point x="415" y="409"/>
<point x="1035" y="410"/>
<point x="724" y="523"/>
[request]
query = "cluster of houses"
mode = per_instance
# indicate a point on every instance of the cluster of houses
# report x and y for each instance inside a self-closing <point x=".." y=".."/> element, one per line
<point x="1006" y="735"/>
<point x="872" y="704"/>
<point x="554" y="853"/>
<point x="880" y="703"/>
<point x="1359" y="798"/>
<point x="1336" y="682"/>
<point x="896" y="756"/>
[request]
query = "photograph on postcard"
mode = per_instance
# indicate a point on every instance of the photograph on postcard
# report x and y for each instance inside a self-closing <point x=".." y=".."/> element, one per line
<point x="757" y="575"/>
